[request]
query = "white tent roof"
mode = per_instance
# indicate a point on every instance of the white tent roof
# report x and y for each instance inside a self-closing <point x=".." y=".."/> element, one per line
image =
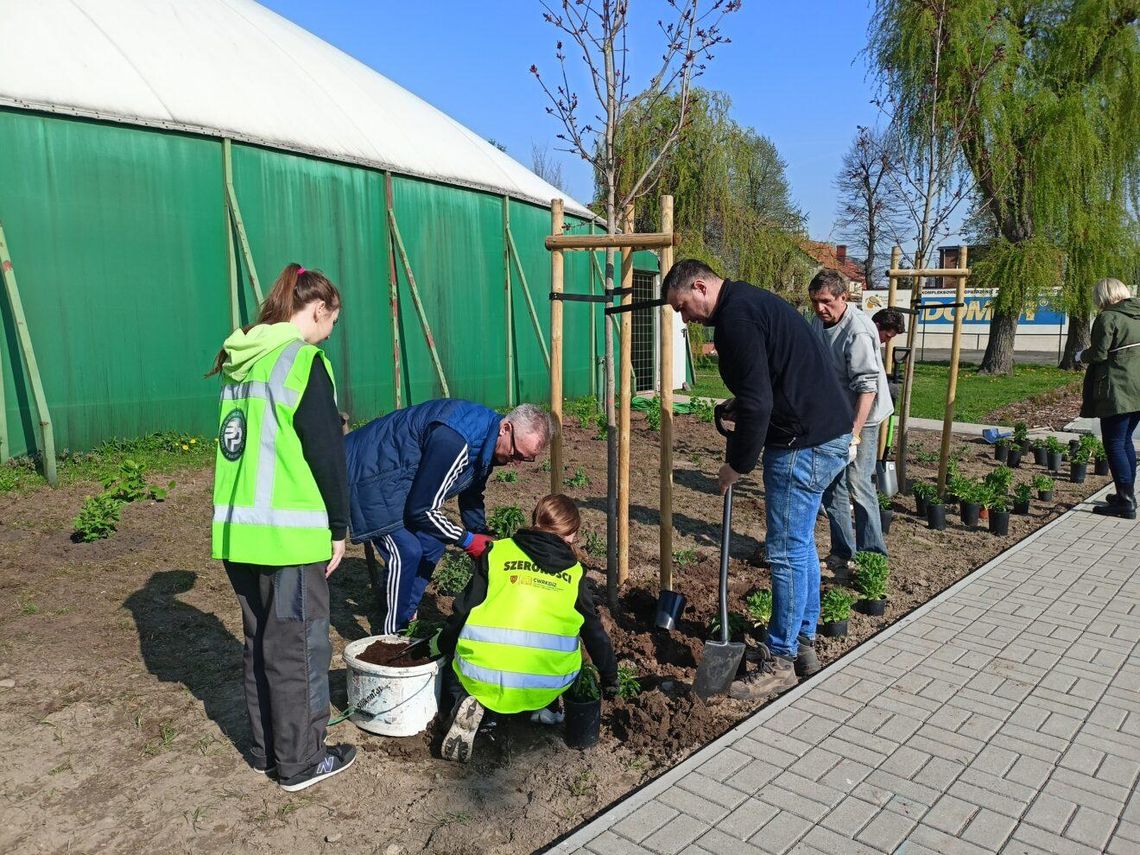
<point x="234" y="68"/>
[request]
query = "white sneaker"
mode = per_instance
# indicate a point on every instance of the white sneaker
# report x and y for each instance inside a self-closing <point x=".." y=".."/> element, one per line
<point x="459" y="742"/>
<point x="547" y="716"/>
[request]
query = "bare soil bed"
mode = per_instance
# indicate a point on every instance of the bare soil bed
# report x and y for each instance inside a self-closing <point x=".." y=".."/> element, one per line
<point x="121" y="715"/>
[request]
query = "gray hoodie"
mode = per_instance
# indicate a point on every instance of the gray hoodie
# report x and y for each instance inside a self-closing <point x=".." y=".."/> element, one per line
<point x="854" y="345"/>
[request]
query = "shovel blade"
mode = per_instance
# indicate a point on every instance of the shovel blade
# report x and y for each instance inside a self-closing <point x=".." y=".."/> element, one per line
<point x="719" y="663"/>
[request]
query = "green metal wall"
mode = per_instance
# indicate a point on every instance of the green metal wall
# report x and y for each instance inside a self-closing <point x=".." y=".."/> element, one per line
<point x="118" y="237"/>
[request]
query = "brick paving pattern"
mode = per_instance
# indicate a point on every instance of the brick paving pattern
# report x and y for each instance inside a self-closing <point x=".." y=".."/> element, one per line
<point x="1004" y="716"/>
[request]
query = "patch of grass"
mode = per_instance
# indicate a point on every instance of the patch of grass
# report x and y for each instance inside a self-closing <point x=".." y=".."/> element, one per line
<point x="707" y="382"/>
<point x="978" y="394"/>
<point x="161" y="452"/>
<point x="582" y="784"/>
<point x="28" y="607"/>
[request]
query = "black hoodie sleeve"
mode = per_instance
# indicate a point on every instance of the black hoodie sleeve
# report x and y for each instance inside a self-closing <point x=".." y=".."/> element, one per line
<point x="594" y="636"/>
<point x="317" y="423"/>
<point x="471" y="596"/>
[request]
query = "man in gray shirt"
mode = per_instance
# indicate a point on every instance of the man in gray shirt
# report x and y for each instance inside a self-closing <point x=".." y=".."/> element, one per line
<point x="853" y="342"/>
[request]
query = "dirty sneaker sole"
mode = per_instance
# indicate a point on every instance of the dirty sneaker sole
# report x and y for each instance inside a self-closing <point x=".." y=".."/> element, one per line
<point x="460" y="738"/>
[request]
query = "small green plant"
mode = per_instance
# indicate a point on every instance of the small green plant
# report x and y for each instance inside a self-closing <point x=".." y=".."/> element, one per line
<point x="1054" y="445"/>
<point x="923" y="490"/>
<point x="1041" y="442"/>
<point x="1099" y="452"/>
<point x="1043" y="484"/>
<point x="1081" y="455"/>
<point x="505" y="520"/>
<point x="921" y="456"/>
<point x="960" y="453"/>
<point x="594" y="544"/>
<point x="702" y="408"/>
<point x="421" y="627"/>
<point x="871" y="572"/>
<point x="546" y="465"/>
<point x="653" y="418"/>
<point x="1022" y="493"/>
<point x="737" y="625"/>
<point x="997" y="502"/>
<point x="586" y="686"/>
<point x="934" y="500"/>
<point x="884" y="502"/>
<point x="128" y="485"/>
<point x="835" y="606"/>
<point x="453" y="573"/>
<point x="583" y="409"/>
<point x="580" y="479"/>
<point x="684" y="557"/>
<point x="98" y="519"/>
<point x="1005" y="442"/>
<point x="506" y="476"/>
<point x="629" y="687"/>
<point x="1020" y="432"/>
<point x="600" y="422"/>
<point x="758" y="604"/>
<point x="28" y="608"/>
<point x="1000" y="479"/>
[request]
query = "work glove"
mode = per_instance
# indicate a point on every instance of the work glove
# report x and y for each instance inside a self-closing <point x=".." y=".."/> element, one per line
<point x="476" y="544"/>
<point x="610" y="688"/>
<point x="433" y="645"/>
<point x="852" y="450"/>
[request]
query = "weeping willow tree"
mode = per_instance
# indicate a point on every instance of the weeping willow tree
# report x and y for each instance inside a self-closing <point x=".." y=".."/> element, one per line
<point x="733" y="206"/>
<point x="1043" y="97"/>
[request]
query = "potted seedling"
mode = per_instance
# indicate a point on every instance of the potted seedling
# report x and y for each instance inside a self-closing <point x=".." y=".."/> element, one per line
<point x="871" y="571"/>
<point x="1056" y="452"/>
<point x="1021" y="496"/>
<point x="998" y="506"/>
<point x="969" y="501"/>
<point x="1014" y="459"/>
<point x="886" y="513"/>
<point x="583" y="701"/>
<point x="758" y="604"/>
<point x="1001" y="450"/>
<point x="1040" y="452"/>
<point x="935" y="512"/>
<point x="1100" y="459"/>
<point x="1079" y="466"/>
<point x="922" y="491"/>
<point x="1021" y="439"/>
<point x="834" y="612"/>
<point x="1000" y="480"/>
<point x="1043" y="484"/>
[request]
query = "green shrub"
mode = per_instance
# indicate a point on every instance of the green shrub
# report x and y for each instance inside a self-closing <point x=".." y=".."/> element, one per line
<point x="1020" y="432"/>
<point x="600" y="421"/>
<point x="1022" y="492"/>
<point x="1000" y="479"/>
<point x="586" y="686"/>
<point x="758" y="604"/>
<point x="884" y="502"/>
<point x="505" y="520"/>
<point x="129" y="484"/>
<point x="1043" y="483"/>
<point x="737" y="625"/>
<point x="506" y="476"/>
<point x="1054" y="444"/>
<point x="835" y="606"/>
<point x="629" y="687"/>
<point x="702" y="408"/>
<point x="924" y="490"/>
<point x="453" y="573"/>
<point x="421" y="628"/>
<point x="1081" y="455"/>
<point x="997" y="502"/>
<point x="98" y="519"/>
<point x="653" y="418"/>
<point x="871" y="572"/>
<point x="580" y="479"/>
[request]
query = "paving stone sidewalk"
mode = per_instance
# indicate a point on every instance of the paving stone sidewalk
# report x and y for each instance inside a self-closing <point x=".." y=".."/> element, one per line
<point x="1003" y="716"/>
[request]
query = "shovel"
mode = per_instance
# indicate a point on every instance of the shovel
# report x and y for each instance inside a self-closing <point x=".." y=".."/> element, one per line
<point x="720" y="659"/>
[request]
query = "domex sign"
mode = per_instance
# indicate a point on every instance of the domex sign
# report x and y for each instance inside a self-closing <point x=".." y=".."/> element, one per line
<point x="978" y="310"/>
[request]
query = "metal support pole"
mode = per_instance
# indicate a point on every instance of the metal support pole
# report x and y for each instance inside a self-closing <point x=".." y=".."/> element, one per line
<point x="952" y="380"/>
<point x="626" y="371"/>
<point x="665" y="394"/>
<point x="509" y="310"/>
<point x="239" y="226"/>
<point x="556" y="271"/>
<point x="47" y="435"/>
<point x="393" y="298"/>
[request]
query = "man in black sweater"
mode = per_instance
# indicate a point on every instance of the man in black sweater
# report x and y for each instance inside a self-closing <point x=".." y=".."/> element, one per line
<point x="787" y="405"/>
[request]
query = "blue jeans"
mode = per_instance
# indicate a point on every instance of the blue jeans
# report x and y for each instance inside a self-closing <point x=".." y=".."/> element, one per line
<point x="794" y="481"/>
<point x="1116" y="433"/>
<point x="855" y="487"/>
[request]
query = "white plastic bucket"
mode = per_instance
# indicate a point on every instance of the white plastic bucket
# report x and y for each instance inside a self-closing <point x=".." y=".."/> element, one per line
<point x="407" y="700"/>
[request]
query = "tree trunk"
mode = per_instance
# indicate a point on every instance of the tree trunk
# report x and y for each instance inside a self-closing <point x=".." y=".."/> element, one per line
<point x="1077" y="340"/>
<point x="998" y="358"/>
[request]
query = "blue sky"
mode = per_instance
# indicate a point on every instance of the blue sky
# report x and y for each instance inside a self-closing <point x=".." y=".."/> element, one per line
<point x="794" y="72"/>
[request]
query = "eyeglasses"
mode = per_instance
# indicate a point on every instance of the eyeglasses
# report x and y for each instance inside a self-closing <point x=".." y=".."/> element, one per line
<point x="516" y="454"/>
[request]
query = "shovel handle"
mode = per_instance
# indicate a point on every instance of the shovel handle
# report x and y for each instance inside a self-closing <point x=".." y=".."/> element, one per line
<point x="725" y="537"/>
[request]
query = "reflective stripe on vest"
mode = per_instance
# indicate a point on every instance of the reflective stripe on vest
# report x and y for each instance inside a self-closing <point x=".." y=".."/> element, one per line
<point x="512" y="679"/>
<point x="520" y="638"/>
<point x="273" y="393"/>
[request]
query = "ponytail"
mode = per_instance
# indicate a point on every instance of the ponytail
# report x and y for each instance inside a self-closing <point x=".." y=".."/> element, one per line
<point x="294" y="289"/>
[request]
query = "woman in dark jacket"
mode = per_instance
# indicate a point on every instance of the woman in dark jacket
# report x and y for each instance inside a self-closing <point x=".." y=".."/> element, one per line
<point x="1112" y="388"/>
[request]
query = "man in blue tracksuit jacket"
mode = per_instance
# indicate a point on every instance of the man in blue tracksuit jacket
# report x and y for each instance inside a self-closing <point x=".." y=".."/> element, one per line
<point x="403" y="466"/>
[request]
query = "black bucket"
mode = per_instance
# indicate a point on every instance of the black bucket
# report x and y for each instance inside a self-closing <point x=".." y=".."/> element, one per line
<point x="583" y="722"/>
<point x="670" y="604"/>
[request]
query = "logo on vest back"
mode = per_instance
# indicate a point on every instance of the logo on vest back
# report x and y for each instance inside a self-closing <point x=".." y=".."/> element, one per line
<point x="231" y="437"/>
<point x="537" y="580"/>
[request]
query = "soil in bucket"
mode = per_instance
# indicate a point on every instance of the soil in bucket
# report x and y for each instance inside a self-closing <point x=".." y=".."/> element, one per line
<point x="394" y="654"/>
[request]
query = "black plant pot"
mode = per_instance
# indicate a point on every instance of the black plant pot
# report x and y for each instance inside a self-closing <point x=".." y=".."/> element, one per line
<point x="1026" y="446"/>
<point x="1074" y="446"/>
<point x="1055" y="458"/>
<point x="1040" y="456"/>
<point x="583" y="722"/>
<point x="1078" y="472"/>
<point x="999" y="522"/>
<point x="874" y="608"/>
<point x="885" y="517"/>
<point x="1014" y="459"/>
<point x="1045" y="495"/>
<point x="833" y="629"/>
<point x="920" y="505"/>
<point x="1001" y="453"/>
<point x="936" y="517"/>
<point x="670" y="604"/>
<point x="971" y="513"/>
<point x="1100" y="467"/>
<point x="1021" y="507"/>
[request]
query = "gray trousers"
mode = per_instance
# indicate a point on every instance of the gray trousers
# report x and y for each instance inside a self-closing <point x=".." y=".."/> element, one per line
<point x="285" y="617"/>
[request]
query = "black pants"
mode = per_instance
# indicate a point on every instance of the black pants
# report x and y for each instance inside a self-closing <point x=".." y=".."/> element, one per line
<point x="285" y="617"/>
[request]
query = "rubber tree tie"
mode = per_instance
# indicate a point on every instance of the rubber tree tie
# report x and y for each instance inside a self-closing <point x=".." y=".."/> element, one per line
<point x="633" y="307"/>
<point x="578" y="298"/>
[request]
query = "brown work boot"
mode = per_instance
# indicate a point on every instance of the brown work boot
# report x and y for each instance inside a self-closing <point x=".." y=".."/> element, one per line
<point x="773" y="674"/>
<point x="807" y="663"/>
<point x="839" y="568"/>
